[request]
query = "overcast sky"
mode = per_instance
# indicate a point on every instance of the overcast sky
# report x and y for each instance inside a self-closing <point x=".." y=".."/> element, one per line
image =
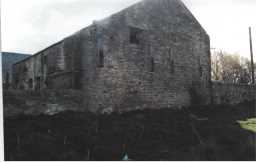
<point x="29" y="26"/>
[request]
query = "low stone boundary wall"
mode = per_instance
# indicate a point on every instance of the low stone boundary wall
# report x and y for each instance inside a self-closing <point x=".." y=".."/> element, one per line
<point x="231" y="94"/>
<point x="49" y="102"/>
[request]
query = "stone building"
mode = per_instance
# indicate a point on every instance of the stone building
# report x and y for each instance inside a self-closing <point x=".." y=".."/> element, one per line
<point x="153" y="54"/>
<point x="8" y="59"/>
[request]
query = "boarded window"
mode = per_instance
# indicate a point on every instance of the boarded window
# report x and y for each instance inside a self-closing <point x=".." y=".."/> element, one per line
<point x="47" y="82"/>
<point x="152" y="64"/>
<point x="38" y="83"/>
<point x="201" y="71"/>
<point x="200" y="68"/>
<point x="25" y="69"/>
<point x="171" y="61"/>
<point x="172" y="66"/>
<point x="135" y="35"/>
<point x="44" y="59"/>
<point x="101" y="58"/>
<point x="16" y="82"/>
<point x="77" y="80"/>
<point x="7" y="78"/>
<point x="30" y="83"/>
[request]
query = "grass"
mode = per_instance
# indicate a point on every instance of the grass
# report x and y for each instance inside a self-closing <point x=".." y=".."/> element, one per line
<point x="196" y="133"/>
<point x="249" y="124"/>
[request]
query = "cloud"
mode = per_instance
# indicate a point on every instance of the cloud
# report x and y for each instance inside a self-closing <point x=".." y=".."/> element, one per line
<point x="196" y="3"/>
<point x="31" y="25"/>
<point x="37" y="24"/>
<point x="227" y="22"/>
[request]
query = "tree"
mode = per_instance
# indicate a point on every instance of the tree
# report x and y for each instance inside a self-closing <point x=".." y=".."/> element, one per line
<point x="230" y="68"/>
<point x="216" y="66"/>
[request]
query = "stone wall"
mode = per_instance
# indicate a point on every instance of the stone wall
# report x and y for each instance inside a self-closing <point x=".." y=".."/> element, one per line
<point x="55" y="67"/>
<point x="171" y="56"/>
<point x="150" y="55"/>
<point x="41" y="102"/>
<point x="232" y="94"/>
<point x="26" y="72"/>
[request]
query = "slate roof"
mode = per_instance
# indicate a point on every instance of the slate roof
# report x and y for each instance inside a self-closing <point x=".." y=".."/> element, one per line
<point x="10" y="58"/>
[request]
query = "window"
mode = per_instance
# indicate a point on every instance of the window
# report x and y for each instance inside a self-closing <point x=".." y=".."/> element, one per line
<point x="101" y="58"/>
<point x="152" y="64"/>
<point x="16" y="82"/>
<point x="201" y="71"/>
<point x="200" y="68"/>
<point x="172" y="67"/>
<point x="112" y="37"/>
<point x="25" y="69"/>
<point x="135" y="35"/>
<point x="171" y="61"/>
<point x="7" y="78"/>
<point x="44" y="59"/>
<point x="47" y="82"/>
<point x="30" y="83"/>
<point x="38" y="85"/>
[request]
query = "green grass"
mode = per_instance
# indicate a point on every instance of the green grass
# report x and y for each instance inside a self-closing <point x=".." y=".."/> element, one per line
<point x="249" y="124"/>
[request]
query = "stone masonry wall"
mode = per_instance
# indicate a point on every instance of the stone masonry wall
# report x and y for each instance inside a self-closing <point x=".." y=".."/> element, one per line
<point x="150" y="55"/>
<point x="170" y="41"/>
<point x="58" y="66"/>
<point x="232" y="94"/>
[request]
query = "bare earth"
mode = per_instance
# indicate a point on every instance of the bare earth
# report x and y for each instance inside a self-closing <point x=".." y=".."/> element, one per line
<point x="197" y="133"/>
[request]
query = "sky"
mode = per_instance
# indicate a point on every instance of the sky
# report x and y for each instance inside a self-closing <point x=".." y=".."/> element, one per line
<point x="29" y="26"/>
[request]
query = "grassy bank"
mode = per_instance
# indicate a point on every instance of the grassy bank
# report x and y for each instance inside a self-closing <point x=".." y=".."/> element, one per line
<point x="199" y="133"/>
